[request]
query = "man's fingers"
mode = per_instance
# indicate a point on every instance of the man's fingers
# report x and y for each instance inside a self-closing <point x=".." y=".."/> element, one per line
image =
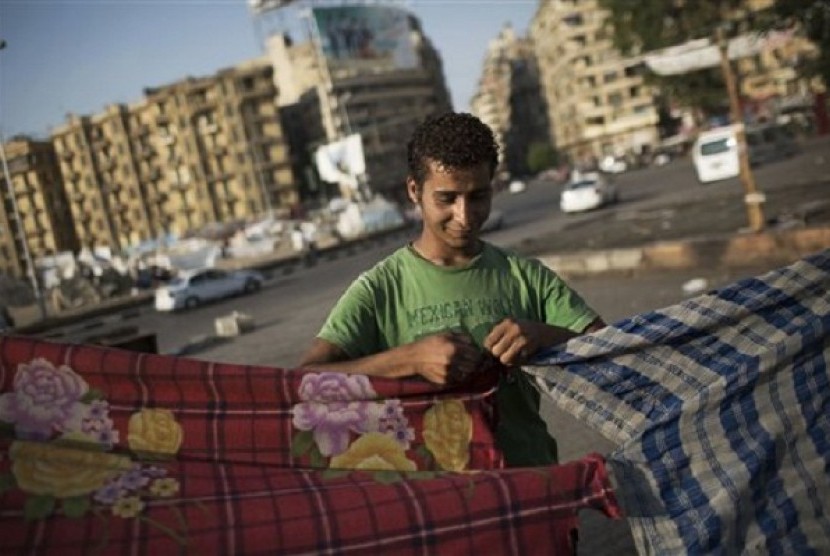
<point x="494" y="337"/>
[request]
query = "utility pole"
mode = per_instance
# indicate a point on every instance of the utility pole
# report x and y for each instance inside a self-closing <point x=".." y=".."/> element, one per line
<point x="752" y="197"/>
<point x="21" y="231"/>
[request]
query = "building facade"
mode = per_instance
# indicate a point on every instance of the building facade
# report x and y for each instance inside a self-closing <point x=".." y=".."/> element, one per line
<point x="509" y="99"/>
<point x="192" y="153"/>
<point x="383" y="104"/>
<point x="597" y="102"/>
<point x="42" y="219"/>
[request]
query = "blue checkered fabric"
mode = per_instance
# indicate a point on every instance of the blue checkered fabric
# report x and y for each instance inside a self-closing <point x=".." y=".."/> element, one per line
<point x="720" y="410"/>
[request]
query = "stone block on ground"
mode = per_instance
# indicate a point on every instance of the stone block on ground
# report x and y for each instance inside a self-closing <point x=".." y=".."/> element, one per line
<point x="234" y="324"/>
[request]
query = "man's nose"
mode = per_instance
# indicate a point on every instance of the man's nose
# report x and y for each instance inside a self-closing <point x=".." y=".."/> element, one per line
<point x="462" y="212"/>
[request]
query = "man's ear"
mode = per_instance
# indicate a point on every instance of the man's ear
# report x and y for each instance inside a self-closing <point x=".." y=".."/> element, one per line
<point x="412" y="190"/>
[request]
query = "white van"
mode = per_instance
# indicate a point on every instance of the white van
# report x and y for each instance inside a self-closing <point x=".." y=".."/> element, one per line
<point x="715" y="152"/>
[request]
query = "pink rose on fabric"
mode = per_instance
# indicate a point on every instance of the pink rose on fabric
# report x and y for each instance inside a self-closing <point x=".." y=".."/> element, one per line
<point x="334" y="405"/>
<point x="44" y="399"/>
<point x="331" y="387"/>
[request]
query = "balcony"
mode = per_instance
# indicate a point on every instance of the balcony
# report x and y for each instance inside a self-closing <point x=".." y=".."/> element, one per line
<point x="207" y="128"/>
<point x="260" y="89"/>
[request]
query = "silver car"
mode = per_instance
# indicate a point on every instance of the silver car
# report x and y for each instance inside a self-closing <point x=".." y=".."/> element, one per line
<point x="192" y="288"/>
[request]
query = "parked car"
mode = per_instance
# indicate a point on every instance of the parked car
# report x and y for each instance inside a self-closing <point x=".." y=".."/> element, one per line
<point x="192" y="288"/>
<point x="587" y="194"/>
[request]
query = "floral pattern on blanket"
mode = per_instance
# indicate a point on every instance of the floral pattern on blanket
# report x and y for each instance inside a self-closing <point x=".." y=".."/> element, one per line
<point x="340" y="429"/>
<point x="61" y="456"/>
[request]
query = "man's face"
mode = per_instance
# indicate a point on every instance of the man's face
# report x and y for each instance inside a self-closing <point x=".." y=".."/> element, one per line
<point x="454" y="204"/>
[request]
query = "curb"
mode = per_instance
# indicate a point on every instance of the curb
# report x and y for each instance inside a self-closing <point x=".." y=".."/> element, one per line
<point x="773" y="248"/>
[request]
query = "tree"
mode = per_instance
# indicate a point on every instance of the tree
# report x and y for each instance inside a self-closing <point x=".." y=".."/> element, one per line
<point x="541" y="156"/>
<point x="647" y="25"/>
<point x="813" y="18"/>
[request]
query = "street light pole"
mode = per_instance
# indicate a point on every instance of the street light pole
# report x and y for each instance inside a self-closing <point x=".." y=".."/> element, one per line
<point x="21" y="232"/>
<point x="752" y="197"/>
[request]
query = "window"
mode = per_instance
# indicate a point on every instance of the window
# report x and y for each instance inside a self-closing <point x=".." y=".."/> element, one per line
<point x="715" y="147"/>
<point x="573" y="20"/>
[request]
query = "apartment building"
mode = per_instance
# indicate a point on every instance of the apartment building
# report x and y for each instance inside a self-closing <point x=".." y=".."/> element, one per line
<point x="596" y="99"/>
<point x="102" y="187"/>
<point x="509" y="99"/>
<point x="42" y="219"/>
<point x="381" y="102"/>
<point x="191" y="153"/>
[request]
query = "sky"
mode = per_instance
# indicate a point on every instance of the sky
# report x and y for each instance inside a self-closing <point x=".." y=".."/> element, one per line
<point x="78" y="56"/>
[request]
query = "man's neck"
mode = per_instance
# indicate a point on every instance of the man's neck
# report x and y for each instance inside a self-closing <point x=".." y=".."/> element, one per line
<point x="446" y="257"/>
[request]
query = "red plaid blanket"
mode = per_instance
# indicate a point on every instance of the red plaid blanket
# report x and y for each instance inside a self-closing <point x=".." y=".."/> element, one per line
<point x="108" y="451"/>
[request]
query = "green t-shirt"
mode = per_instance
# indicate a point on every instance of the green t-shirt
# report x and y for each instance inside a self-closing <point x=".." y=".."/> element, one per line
<point x="405" y="297"/>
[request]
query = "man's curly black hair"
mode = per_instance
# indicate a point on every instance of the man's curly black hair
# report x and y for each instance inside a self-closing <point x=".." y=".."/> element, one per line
<point x="453" y="139"/>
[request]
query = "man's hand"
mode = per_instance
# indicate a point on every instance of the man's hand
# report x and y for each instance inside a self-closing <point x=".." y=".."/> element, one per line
<point x="440" y="358"/>
<point x="515" y="341"/>
<point x="445" y="357"/>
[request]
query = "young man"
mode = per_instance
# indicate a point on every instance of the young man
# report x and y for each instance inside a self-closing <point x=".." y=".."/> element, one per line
<point x="438" y="306"/>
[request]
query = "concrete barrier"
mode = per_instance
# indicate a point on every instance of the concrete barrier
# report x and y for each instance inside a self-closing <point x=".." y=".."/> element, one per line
<point x="743" y="250"/>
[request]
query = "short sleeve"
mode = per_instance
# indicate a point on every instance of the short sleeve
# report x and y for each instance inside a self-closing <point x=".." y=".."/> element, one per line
<point x="560" y="305"/>
<point x="352" y="324"/>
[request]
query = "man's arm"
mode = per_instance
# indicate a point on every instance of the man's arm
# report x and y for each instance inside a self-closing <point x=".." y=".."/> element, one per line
<point x="439" y="358"/>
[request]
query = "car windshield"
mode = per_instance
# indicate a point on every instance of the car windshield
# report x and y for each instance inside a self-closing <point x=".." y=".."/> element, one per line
<point x="715" y="147"/>
<point x="585" y="184"/>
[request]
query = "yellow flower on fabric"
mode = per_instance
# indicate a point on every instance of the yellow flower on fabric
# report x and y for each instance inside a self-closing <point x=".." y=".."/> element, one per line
<point x="448" y="429"/>
<point x="128" y="506"/>
<point x="374" y="451"/>
<point x="47" y="469"/>
<point x="164" y="488"/>
<point x="154" y="431"/>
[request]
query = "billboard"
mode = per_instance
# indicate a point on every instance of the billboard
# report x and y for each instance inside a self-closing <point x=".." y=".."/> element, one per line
<point x="372" y="37"/>
<point x="342" y="161"/>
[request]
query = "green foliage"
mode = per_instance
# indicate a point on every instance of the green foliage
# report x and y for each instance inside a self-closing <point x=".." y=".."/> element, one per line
<point x="336" y="473"/>
<point x="7" y="482"/>
<point x="647" y="25"/>
<point x="387" y="477"/>
<point x="541" y="156"/>
<point x="652" y="24"/>
<point x="92" y="395"/>
<point x="38" y="507"/>
<point x="812" y="17"/>
<point x="301" y="443"/>
<point x="75" y="507"/>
